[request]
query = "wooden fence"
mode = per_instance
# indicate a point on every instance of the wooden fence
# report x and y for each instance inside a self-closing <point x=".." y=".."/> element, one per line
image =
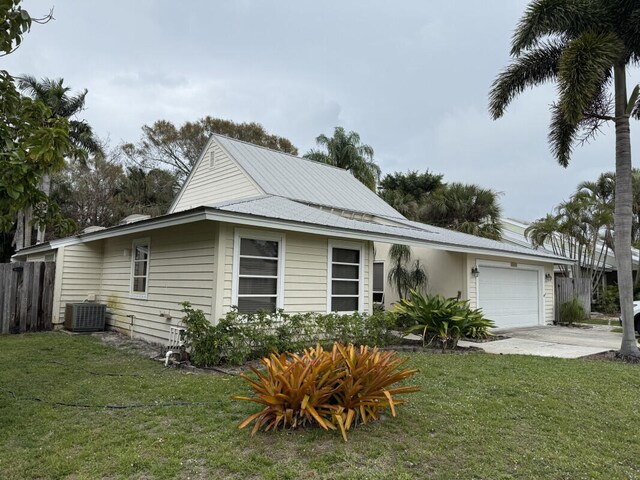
<point x="26" y="296"/>
<point x="568" y="288"/>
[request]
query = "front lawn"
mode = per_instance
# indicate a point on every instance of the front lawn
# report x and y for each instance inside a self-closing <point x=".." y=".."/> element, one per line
<point x="478" y="416"/>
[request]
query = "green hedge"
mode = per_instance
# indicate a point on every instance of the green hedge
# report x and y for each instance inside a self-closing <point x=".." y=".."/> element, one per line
<point x="237" y="338"/>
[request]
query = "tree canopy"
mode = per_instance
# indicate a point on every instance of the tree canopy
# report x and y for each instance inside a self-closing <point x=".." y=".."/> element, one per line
<point x="178" y="148"/>
<point x="35" y="142"/>
<point x="466" y="208"/>
<point x="57" y="96"/>
<point x="423" y="197"/>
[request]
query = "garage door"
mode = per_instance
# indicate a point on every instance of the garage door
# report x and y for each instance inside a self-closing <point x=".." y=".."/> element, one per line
<point x="509" y="296"/>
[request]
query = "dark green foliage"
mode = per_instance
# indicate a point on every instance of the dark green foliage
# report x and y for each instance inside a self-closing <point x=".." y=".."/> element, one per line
<point x="609" y="301"/>
<point x="441" y="320"/>
<point x="344" y="150"/>
<point x="466" y="208"/>
<point x="33" y="142"/>
<point x="407" y="191"/>
<point x="147" y="192"/>
<point x="572" y="312"/>
<point x="57" y="97"/>
<point x="237" y="338"/>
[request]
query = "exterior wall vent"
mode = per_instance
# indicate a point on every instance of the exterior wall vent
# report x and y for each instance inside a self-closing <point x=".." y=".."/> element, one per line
<point x="84" y="317"/>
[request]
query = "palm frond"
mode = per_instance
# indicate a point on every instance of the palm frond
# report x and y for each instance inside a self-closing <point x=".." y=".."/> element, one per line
<point x="562" y="136"/>
<point x="585" y="64"/>
<point x="528" y="70"/>
<point x="318" y="156"/>
<point x="545" y="18"/>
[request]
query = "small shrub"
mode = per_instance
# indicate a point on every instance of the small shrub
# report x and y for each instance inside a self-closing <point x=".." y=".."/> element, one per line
<point x="206" y="342"/>
<point x="572" y="311"/>
<point x="441" y="320"/>
<point x="334" y="389"/>
<point x="608" y="301"/>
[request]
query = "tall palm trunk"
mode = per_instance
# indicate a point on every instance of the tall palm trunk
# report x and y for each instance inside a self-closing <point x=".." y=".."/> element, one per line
<point x="623" y="213"/>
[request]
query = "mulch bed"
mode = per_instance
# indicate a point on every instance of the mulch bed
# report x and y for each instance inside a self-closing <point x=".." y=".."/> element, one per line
<point x="612" y="356"/>
<point x="156" y="352"/>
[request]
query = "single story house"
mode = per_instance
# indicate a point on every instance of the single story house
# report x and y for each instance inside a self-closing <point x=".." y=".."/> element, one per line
<point x="254" y="228"/>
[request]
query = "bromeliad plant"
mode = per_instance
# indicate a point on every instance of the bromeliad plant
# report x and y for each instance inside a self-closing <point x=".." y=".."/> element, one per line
<point x="334" y="389"/>
<point x="442" y="320"/>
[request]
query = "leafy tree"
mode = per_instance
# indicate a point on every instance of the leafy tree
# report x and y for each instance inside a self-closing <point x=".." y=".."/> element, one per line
<point x="425" y="198"/>
<point x="145" y="192"/>
<point x="34" y="142"/>
<point x="404" y="274"/>
<point x="57" y="97"/>
<point x="165" y="144"/>
<point x="344" y="150"/>
<point x="87" y="192"/>
<point x="584" y="46"/>
<point x="466" y="208"/>
<point x="407" y="191"/>
<point x="62" y="104"/>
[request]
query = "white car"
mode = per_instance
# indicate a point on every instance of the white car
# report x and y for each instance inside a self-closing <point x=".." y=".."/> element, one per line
<point x="636" y="316"/>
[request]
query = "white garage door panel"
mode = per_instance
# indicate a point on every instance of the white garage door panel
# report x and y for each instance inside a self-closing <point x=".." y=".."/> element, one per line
<point x="509" y="296"/>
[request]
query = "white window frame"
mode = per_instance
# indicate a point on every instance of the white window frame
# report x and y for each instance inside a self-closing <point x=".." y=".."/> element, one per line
<point x="350" y="246"/>
<point x="134" y="244"/>
<point x="258" y="235"/>
<point x="384" y="282"/>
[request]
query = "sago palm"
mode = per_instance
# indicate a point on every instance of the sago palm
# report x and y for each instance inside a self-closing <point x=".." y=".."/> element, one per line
<point x="344" y="150"/>
<point x="584" y="46"/>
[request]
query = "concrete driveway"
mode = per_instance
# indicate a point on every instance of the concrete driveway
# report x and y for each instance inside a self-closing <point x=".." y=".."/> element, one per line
<point x="552" y="341"/>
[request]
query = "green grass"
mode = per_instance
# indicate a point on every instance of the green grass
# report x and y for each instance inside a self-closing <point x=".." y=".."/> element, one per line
<point x="477" y="416"/>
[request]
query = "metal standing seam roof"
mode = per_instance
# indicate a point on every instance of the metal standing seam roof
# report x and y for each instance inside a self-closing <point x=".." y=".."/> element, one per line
<point x="284" y="175"/>
<point x="280" y="208"/>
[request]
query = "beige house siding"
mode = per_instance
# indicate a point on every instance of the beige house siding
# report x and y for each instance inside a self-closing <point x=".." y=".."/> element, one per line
<point x="450" y="273"/>
<point x="181" y="268"/>
<point x="445" y="271"/>
<point x="79" y="279"/>
<point x="208" y="185"/>
<point x="305" y="270"/>
<point x="548" y="289"/>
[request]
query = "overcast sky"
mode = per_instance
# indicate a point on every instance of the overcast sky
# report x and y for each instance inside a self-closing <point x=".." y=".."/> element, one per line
<point x="411" y="77"/>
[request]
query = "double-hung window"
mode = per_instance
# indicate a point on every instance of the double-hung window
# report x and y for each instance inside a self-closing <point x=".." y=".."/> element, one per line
<point x="258" y="267"/>
<point x="140" y="268"/>
<point x="345" y="283"/>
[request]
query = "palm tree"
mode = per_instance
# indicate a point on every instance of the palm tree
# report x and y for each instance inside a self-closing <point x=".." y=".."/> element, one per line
<point x="344" y="150"/>
<point x="466" y="208"/>
<point x="404" y="275"/>
<point x="584" y="46"/>
<point x="57" y="97"/>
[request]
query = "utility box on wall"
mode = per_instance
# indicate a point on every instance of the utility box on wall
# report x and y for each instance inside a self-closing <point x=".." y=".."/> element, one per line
<point x="84" y="317"/>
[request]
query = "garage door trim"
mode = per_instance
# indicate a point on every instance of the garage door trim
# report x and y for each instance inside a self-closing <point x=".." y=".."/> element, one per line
<point x="520" y="266"/>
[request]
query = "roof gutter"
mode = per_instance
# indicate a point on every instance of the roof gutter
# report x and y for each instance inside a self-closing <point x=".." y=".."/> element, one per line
<point x="212" y="214"/>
